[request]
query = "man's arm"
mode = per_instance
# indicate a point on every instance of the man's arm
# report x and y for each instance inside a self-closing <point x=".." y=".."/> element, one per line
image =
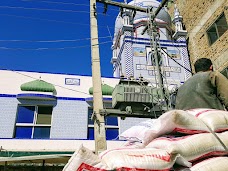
<point x="220" y="82"/>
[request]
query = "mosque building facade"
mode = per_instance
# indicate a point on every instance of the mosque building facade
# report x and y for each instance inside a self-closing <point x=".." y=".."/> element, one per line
<point x="49" y="112"/>
<point x="132" y="54"/>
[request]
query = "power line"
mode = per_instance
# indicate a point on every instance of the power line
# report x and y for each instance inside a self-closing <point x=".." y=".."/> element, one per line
<point x="171" y="56"/>
<point x="67" y="22"/>
<point x="48" y="82"/>
<point x="53" y="2"/>
<point x="39" y="49"/>
<point x="53" y="41"/>
<point x="64" y="3"/>
<point x="18" y="16"/>
<point x="43" y="9"/>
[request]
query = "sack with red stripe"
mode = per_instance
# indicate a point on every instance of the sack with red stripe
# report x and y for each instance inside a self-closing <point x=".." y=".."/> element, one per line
<point x="211" y="164"/>
<point x="85" y="160"/>
<point x="150" y="159"/>
<point x="216" y="120"/>
<point x="194" y="147"/>
<point x="175" y="121"/>
<point x="171" y="121"/>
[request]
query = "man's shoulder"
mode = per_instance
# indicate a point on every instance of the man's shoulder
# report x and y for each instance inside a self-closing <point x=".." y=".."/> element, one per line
<point x="196" y="78"/>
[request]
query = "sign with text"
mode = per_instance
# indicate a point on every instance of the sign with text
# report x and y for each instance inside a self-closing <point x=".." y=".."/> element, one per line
<point x="72" y="81"/>
<point x="153" y="68"/>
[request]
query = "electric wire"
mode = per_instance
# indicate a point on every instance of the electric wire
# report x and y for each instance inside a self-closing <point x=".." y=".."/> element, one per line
<point x="54" y="2"/>
<point x="171" y="56"/>
<point x="65" y="3"/>
<point x="54" y="41"/>
<point x="49" y="20"/>
<point x="44" y="9"/>
<point x="48" y="9"/>
<point x="47" y="81"/>
<point x="38" y="49"/>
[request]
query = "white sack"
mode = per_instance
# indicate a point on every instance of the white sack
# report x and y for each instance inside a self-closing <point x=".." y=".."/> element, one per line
<point x="193" y="147"/>
<point x="85" y="160"/>
<point x="171" y="121"/>
<point x="212" y="164"/>
<point x="137" y="132"/>
<point x="217" y="120"/>
<point x="141" y="159"/>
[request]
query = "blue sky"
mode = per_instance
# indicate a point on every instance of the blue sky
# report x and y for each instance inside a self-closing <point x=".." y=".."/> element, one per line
<point x="53" y="36"/>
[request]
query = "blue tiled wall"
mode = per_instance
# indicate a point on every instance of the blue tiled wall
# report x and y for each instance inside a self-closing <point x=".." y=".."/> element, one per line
<point x="8" y="108"/>
<point x="69" y="117"/>
<point x="69" y="120"/>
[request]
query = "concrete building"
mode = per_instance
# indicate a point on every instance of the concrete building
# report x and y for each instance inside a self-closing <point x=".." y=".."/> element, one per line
<point x="206" y="24"/>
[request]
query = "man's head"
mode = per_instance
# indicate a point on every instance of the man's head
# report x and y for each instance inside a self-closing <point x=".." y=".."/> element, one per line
<point x="203" y="64"/>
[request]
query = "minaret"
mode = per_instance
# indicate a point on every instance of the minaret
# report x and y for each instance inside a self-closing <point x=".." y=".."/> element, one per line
<point x="180" y="35"/>
<point x="127" y="33"/>
<point x="179" y="32"/>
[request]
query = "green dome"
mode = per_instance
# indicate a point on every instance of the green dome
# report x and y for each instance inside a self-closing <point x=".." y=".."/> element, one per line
<point x="106" y="90"/>
<point x="38" y="85"/>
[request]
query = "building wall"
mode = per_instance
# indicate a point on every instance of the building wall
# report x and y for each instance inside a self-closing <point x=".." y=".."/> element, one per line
<point x="70" y="109"/>
<point x="69" y="117"/>
<point x="69" y="120"/>
<point x="175" y="73"/>
<point x="8" y="106"/>
<point x="198" y="16"/>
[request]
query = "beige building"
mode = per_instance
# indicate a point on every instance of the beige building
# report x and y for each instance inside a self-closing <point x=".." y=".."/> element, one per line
<point x="206" y="24"/>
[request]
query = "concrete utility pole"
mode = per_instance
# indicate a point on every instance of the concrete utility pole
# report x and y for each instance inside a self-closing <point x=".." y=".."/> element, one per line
<point x="99" y="124"/>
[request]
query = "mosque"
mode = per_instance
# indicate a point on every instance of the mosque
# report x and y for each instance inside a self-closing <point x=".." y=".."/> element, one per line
<point x="46" y="116"/>
<point x="132" y="52"/>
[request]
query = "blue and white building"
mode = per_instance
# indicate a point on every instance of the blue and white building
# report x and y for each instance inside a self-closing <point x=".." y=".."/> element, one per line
<point x="132" y="53"/>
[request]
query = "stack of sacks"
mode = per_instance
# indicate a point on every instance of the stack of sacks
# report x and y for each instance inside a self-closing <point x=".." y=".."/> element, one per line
<point x="199" y="139"/>
<point x="124" y="159"/>
<point x="204" y="135"/>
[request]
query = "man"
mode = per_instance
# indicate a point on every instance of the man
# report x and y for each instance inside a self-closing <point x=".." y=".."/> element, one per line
<point x="205" y="89"/>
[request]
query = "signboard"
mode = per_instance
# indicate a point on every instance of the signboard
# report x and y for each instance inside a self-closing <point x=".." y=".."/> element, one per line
<point x="72" y="81"/>
<point x="139" y="52"/>
<point x="153" y="68"/>
<point x="174" y="54"/>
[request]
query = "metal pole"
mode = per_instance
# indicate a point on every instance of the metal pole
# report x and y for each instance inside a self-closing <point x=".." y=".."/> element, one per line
<point x="152" y="29"/>
<point x="156" y="12"/>
<point x="99" y="125"/>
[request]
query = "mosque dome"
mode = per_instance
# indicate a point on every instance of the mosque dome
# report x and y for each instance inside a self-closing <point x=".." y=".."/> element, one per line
<point x="162" y="16"/>
<point x="38" y="85"/>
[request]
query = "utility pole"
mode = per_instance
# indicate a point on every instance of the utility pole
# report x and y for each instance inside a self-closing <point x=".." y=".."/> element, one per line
<point x="154" y="38"/>
<point x="99" y="124"/>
